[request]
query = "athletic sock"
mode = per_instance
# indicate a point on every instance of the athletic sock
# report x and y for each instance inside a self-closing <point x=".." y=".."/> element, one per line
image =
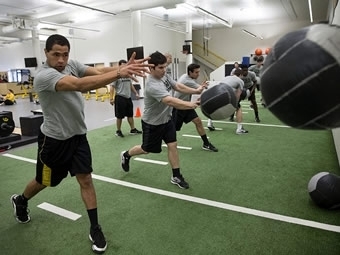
<point x="93" y="216"/>
<point x="23" y="198"/>
<point x="205" y="139"/>
<point x="239" y="126"/>
<point x="126" y="154"/>
<point x="176" y="172"/>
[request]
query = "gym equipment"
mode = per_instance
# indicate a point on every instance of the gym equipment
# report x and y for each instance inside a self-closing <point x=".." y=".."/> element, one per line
<point x="324" y="189"/>
<point x="267" y="51"/>
<point x="30" y="125"/>
<point x="258" y="52"/>
<point x="218" y="102"/>
<point x="6" y="124"/>
<point x="300" y="78"/>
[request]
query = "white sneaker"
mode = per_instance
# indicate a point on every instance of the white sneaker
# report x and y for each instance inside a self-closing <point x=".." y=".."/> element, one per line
<point x="241" y="131"/>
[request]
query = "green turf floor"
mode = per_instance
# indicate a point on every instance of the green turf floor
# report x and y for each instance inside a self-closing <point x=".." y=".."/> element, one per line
<point x="267" y="170"/>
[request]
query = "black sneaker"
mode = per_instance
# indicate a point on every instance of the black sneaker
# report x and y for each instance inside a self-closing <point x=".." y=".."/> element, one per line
<point x="209" y="147"/>
<point x="180" y="182"/>
<point x="257" y="119"/>
<point x="135" y="131"/>
<point x="21" y="213"/>
<point x="119" y="133"/>
<point x="97" y="238"/>
<point x="211" y="128"/>
<point x="125" y="161"/>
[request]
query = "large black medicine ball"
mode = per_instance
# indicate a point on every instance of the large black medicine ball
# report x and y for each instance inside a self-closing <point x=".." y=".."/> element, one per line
<point x="218" y="102"/>
<point x="300" y="78"/>
<point x="324" y="190"/>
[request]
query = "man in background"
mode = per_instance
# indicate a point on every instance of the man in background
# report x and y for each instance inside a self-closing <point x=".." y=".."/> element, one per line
<point x="120" y="97"/>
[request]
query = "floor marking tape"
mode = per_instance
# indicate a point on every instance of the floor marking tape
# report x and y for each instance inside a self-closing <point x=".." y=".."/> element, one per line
<point x="179" y="147"/>
<point x="251" y="124"/>
<point x="240" y="209"/>
<point x="151" y="161"/>
<point x="59" y="211"/>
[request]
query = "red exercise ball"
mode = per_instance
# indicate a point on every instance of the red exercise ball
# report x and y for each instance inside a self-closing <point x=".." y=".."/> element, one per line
<point x="258" y="52"/>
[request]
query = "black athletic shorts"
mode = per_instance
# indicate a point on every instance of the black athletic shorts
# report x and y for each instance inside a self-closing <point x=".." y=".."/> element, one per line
<point x="252" y="95"/>
<point x="123" y="107"/>
<point x="57" y="158"/>
<point x="153" y="135"/>
<point x="183" y="116"/>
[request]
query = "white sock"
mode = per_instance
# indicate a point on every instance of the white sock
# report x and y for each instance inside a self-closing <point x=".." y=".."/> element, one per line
<point x="210" y="123"/>
<point x="239" y="126"/>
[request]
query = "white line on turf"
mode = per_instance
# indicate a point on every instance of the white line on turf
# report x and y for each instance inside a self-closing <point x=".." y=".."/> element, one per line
<point x="193" y="136"/>
<point x="250" y="124"/>
<point x="179" y="147"/>
<point x="151" y="161"/>
<point x="59" y="211"/>
<point x="240" y="209"/>
<point x="216" y="128"/>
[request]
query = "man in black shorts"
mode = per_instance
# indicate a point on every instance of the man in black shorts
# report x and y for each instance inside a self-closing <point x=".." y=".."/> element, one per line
<point x="186" y="116"/>
<point x="122" y="102"/>
<point x="62" y="143"/>
<point x="157" y="124"/>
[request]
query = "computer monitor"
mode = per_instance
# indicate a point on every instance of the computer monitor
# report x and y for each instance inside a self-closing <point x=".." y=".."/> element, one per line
<point x="139" y="52"/>
<point x="31" y="62"/>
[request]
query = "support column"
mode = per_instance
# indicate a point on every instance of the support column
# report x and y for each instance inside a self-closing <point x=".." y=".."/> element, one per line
<point x="36" y="46"/>
<point x="188" y="37"/>
<point x="136" y="20"/>
<point x="136" y="23"/>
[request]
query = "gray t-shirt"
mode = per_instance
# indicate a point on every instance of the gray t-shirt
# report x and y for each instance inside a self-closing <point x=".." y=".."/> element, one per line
<point x="249" y="79"/>
<point x="63" y="111"/>
<point x="156" y="112"/>
<point x="233" y="81"/>
<point x="256" y="69"/>
<point x="189" y="82"/>
<point x="122" y="87"/>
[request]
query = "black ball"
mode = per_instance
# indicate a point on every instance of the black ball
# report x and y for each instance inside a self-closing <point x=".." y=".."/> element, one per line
<point x="324" y="189"/>
<point x="218" y="102"/>
<point x="300" y="78"/>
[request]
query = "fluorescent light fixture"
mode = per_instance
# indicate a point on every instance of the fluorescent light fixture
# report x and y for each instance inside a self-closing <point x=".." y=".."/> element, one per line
<point x="170" y="28"/>
<point x="68" y="26"/>
<point x="251" y="34"/>
<point x="213" y="17"/>
<point x="310" y="10"/>
<point x="86" y="7"/>
<point x="9" y="39"/>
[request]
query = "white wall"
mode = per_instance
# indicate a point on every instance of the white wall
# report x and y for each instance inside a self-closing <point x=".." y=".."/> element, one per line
<point x="108" y="45"/>
<point x="232" y="44"/>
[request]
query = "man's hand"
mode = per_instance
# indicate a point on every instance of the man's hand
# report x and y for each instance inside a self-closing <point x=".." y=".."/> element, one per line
<point x="112" y="101"/>
<point x="135" y="67"/>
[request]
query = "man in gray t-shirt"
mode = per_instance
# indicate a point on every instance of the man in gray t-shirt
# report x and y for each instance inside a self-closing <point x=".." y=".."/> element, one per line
<point x="190" y="115"/>
<point x="249" y="79"/>
<point x="157" y="123"/>
<point x="120" y="97"/>
<point x="62" y="143"/>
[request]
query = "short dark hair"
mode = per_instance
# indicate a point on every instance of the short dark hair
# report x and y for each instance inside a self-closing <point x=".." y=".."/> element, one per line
<point x="157" y="58"/>
<point x="122" y="61"/>
<point x="237" y="72"/>
<point x="56" y="39"/>
<point x="192" y="67"/>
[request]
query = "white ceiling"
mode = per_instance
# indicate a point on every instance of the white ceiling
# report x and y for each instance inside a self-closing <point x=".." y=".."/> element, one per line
<point x="174" y="12"/>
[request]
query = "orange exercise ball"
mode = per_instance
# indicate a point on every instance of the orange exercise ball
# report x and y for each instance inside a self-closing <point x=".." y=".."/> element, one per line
<point x="267" y="51"/>
<point x="258" y="52"/>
